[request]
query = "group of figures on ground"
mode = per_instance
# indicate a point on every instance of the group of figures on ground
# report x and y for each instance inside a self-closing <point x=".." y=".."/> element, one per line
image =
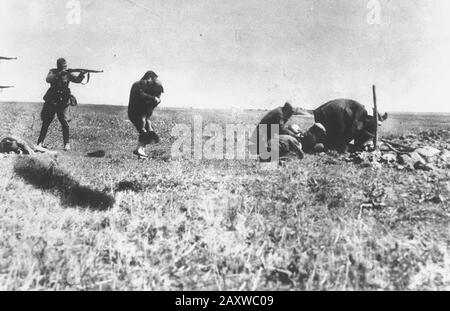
<point x="338" y="122"/>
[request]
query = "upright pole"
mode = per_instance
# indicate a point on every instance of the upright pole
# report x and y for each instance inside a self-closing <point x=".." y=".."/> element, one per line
<point x="375" y="114"/>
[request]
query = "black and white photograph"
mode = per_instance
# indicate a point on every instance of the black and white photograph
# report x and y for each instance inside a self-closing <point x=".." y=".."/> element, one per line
<point x="251" y="146"/>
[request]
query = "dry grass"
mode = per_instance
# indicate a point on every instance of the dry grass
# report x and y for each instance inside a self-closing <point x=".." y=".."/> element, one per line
<point x="119" y="224"/>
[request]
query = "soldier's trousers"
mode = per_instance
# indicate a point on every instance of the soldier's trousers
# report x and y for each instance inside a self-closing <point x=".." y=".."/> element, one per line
<point x="48" y="114"/>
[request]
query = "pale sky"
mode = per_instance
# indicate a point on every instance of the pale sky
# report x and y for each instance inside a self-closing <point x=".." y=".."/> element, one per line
<point x="229" y="53"/>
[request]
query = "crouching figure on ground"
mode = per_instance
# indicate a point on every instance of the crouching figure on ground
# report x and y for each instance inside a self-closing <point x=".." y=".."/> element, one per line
<point x="345" y="121"/>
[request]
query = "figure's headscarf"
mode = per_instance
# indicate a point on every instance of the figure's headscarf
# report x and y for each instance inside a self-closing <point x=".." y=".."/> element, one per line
<point x="149" y="74"/>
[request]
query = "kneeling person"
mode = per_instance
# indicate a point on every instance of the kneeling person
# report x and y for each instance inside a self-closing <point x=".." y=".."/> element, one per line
<point x="263" y="135"/>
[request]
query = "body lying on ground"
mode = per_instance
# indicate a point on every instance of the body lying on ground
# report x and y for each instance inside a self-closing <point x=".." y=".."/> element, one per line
<point x="19" y="146"/>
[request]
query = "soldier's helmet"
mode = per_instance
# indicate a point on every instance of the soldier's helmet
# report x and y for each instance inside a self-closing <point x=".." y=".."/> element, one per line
<point x="288" y="107"/>
<point x="60" y="63"/>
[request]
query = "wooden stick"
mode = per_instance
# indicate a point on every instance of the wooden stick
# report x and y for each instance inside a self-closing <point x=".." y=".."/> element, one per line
<point x="394" y="149"/>
<point x="375" y="114"/>
<point x="408" y="148"/>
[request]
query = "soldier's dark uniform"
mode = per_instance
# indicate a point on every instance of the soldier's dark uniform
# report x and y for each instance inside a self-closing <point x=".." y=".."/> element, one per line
<point x="144" y="98"/>
<point x="278" y="116"/>
<point x="58" y="99"/>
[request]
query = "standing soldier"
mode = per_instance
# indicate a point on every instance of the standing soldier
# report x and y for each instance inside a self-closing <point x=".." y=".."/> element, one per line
<point x="58" y="99"/>
<point x="145" y="96"/>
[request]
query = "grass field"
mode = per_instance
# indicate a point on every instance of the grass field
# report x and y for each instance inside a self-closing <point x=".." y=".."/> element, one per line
<point x="117" y="223"/>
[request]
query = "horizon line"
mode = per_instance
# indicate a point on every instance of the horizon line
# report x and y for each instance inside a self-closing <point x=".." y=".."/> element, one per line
<point x="230" y="108"/>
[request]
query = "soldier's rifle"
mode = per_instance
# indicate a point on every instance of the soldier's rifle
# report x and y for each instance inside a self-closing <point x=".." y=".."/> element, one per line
<point x="2" y="87"/>
<point x="84" y="71"/>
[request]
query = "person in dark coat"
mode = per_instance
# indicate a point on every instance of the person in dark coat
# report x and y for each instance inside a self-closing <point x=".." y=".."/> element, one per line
<point x="145" y="96"/>
<point x="279" y="117"/>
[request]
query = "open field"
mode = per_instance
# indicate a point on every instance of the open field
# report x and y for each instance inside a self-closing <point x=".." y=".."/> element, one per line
<point x="121" y="224"/>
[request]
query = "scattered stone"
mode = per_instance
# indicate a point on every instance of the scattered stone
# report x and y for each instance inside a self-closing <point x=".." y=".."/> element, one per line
<point x="360" y="157"/>
<point x="407" y="154"/>
<point x="384" y="148"/>
<point x="405" y="159"/>
<point x="411" y="136"/>
<point x="428" y="152"/>
<point x="389" y="157"/>
<point x="319" y="148"/>
<point x="437" y="199"/>
<point x="423" y="166"/>
<point x="416" y="158"/>
<point x="445" y="156"/>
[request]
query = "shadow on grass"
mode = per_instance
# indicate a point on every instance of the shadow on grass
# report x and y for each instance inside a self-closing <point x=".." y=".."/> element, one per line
<point x="129" y="185"/>
<point x="43" y="173"/>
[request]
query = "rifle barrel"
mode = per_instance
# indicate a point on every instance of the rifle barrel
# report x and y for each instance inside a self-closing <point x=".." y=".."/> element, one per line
<point x="7" y="58"/>
<point x="85" y="70"/>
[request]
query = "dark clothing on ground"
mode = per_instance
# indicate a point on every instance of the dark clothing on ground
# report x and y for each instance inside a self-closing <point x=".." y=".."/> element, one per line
<point x="312" y="138"/>
<point x="144" y="98"/>
<point x="289" y="144"/>
<point x="58" y="99"/>
<point x="273" y="117"/>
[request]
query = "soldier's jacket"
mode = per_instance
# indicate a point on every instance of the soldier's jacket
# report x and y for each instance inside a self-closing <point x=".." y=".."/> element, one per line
<point x="275" y="116"/>
<point x="59" y="91"/>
